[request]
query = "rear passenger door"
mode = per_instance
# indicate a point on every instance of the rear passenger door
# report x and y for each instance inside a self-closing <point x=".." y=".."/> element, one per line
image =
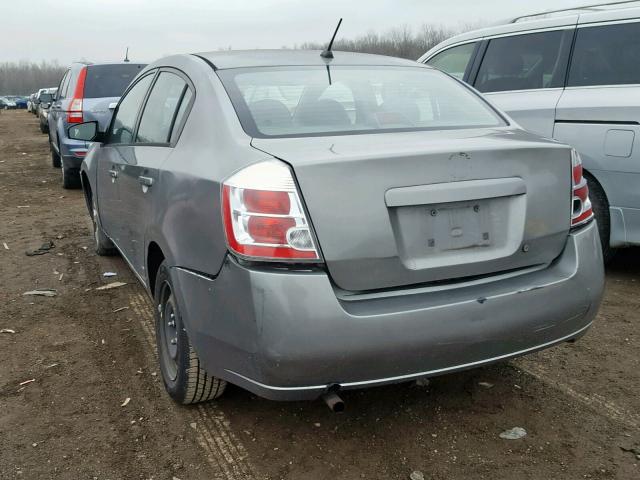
<point x="161" y="119"/>
<point x="599" y="115"/>
<point x="113" y="159"/>
<point x="524" y="76"/>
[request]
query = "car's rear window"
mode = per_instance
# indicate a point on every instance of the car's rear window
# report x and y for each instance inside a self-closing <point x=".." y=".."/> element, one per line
<point x="312" y="101"/>
<point x="109" y="80"/>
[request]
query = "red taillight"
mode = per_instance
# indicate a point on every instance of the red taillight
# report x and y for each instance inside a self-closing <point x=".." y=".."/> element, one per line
<point x="263" y="201"/>
<point x="581" y="209"/>
<point x="263" y="215"/>
<point x="270" y="230"/>
<point x="74" y="114"/>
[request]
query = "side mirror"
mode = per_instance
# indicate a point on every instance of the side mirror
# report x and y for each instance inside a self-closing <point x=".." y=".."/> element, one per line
<point x="87" y="132"/>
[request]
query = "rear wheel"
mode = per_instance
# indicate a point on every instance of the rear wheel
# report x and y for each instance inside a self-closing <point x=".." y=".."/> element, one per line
<point x="55" y="158"/>
<point x="601" y="212"/>
<point x="70" y="178"/>
<point x="184" y="378"/>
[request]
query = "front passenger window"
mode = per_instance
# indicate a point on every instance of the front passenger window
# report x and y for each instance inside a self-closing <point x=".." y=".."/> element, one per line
<point x="124" y="122"/>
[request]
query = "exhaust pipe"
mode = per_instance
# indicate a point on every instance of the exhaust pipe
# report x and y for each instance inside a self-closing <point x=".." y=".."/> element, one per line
<point x="334" y="402"/>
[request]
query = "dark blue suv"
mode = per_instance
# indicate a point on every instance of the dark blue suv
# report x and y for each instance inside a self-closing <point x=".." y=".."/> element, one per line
<point x="87" y="92"/>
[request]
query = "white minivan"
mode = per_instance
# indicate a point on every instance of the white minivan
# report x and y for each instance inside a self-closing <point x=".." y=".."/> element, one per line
<point x="572" y="75"/>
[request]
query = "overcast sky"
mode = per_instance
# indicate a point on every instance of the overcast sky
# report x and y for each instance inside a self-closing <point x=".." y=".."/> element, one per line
<point x="100" y="30"/>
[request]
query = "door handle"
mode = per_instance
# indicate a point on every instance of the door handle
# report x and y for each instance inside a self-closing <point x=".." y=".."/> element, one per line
<point x="113" y="173"/>
<point x="145" y="181"/>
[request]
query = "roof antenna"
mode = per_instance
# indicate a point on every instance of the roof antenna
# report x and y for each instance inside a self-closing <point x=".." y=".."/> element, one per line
<point x="327" y="53"/>
<point x="126" y="55"/>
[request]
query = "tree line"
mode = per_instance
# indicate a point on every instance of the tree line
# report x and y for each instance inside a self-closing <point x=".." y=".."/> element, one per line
<point x="401" y="42"/>
<point x="23" y="78"/>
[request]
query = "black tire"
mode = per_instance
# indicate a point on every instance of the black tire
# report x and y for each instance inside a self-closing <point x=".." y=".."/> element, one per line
<point x="102" y="245"/>
<point x="44" y="128"/>
<point x="70" y="178"/>
<point x="601" y="212"/>
<point x="55" y="158"/>
<point x="184" y="378"/>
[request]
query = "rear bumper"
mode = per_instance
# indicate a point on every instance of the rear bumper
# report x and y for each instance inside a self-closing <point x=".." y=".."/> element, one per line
<point x="290" y="335"/>
<point x="625" y="226"/>
<point x="71" y="152"/>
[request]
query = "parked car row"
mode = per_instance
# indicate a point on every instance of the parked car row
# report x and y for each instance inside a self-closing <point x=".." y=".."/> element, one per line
<point x="7" y="104"/>
<point x="11" y="102"/>
<point x="34" y="99"/>
<point x="307" y="222"/>
<point x="42" y="109"/>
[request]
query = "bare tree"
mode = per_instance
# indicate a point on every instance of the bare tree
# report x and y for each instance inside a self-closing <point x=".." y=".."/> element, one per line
<point x="398" y="42"/>
<point x="23" y="78"/>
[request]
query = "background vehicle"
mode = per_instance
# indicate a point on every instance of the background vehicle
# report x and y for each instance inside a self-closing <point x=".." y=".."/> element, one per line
<point x="572" y="75"/>
<point x="31" y="106"/>
<point x="86" y="92"/>
<point x="43" y="110"/>
<point x="21" y="102"/>
<point x="7" y="104"/>
<point x="448" y="238"/>
<point x="36" y="100"/>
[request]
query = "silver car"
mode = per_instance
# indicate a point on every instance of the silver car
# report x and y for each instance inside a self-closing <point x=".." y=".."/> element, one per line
<point x="306" y="225"/>
<point x="572" y="75"/>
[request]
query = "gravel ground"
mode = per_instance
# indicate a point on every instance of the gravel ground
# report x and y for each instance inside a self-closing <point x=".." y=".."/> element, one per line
<point x="83" y="353"/>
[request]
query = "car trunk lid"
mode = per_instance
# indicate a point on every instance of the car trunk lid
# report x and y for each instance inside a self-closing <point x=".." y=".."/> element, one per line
<point x="391" y="210"/>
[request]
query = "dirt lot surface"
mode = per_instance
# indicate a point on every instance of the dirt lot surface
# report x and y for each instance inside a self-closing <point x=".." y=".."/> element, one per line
<point x="84" y="352"/>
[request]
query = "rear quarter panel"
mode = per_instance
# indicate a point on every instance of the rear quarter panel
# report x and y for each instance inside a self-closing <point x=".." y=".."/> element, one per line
<point x="187" y="221"/>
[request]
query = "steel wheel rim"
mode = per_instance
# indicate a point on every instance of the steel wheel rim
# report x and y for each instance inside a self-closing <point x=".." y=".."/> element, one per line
<point x="168" y="330"/>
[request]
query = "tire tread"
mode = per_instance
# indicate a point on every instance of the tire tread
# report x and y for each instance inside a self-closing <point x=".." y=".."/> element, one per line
<point x="201" y="386"/>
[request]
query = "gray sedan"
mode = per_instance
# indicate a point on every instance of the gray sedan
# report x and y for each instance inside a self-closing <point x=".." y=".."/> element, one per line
<point x="308" y="224"/>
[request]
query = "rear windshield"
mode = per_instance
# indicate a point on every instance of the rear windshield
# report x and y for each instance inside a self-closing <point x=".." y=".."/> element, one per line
<point x="109" y="80"/>
<point x="313" y="101"/>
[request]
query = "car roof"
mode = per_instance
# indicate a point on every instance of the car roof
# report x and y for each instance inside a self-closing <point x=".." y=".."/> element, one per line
<point x="272" y="58"/>
<point x="92" y="64"/>
<point x="115" y="63"/>
<point x="618" y="10"/>
<point x="537" y="21"/>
